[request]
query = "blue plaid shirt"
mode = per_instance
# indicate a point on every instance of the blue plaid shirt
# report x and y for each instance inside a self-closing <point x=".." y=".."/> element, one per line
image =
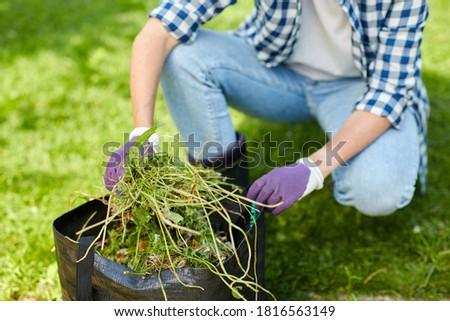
<point x="386" y="47"/>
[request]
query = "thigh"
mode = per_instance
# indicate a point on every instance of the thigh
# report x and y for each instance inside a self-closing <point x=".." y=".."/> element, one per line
<point x="229" y="64"/>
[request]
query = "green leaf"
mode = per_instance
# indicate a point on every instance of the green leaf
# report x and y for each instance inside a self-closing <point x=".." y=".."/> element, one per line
<point x="174" y="217"/>
<point x="144" y="137"/>
<point x="141" y="217"/>
<point x="236" y="294"/>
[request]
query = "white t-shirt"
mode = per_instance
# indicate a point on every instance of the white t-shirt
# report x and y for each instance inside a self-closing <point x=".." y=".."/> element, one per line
<point x="324" y="48"/>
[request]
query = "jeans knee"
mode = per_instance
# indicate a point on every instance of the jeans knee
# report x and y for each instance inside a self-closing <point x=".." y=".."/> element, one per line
<point x="183" y="78"/>
<point x="188" y="62"/>
<point x="377" y="197"/>
<point x="382" y="202"/>
<point x="178" y="63"/>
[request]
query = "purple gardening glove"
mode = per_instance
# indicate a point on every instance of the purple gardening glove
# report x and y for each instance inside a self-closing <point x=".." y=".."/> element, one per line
<point x="115" y="167"/>
<point x="288" y="184"/>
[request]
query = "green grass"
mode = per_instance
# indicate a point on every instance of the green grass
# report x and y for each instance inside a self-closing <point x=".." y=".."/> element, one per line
<point x="64" y="93"/>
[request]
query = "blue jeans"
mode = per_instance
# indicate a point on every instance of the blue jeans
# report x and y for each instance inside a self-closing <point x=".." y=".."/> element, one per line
<point x="200" y="80"/>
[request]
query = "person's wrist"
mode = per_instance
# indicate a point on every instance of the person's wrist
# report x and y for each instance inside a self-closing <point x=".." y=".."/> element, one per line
<point x="153" y="139"/>
<point x="138" y="131"/>
<point x="316" y="177"/>
<point x="318" y="159"/>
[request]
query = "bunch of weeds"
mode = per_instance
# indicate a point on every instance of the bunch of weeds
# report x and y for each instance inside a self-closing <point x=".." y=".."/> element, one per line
<point x="159" y="217"/>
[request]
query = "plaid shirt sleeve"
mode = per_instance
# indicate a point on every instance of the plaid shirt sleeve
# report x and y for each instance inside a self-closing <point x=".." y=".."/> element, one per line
<point x="182" y="18"/>
<point x="395" y="68"/>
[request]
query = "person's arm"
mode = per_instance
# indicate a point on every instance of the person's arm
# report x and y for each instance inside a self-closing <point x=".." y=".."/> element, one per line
<point x="391" y="75"/>
<point x="358" y="132"/>
<point x="172" y="22"/>
<point x="282" y="186"/>
<point x="150" y="49"/>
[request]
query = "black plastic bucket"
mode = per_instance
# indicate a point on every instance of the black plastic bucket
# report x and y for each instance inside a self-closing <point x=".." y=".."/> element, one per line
<point x="98" y="278"/>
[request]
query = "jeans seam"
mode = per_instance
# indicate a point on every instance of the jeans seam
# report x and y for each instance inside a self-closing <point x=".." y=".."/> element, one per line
<point x="211" y="119"/>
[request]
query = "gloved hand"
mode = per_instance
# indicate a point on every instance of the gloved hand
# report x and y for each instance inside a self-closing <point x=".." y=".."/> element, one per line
<point x="115" y="168"/>
<point x="288" y="184"/>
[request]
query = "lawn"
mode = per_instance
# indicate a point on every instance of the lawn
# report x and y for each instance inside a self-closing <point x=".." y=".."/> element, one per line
<point x="64" y="94"/>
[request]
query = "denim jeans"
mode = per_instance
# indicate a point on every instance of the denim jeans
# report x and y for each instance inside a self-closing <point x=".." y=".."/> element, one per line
<point x="201" y="79"/>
